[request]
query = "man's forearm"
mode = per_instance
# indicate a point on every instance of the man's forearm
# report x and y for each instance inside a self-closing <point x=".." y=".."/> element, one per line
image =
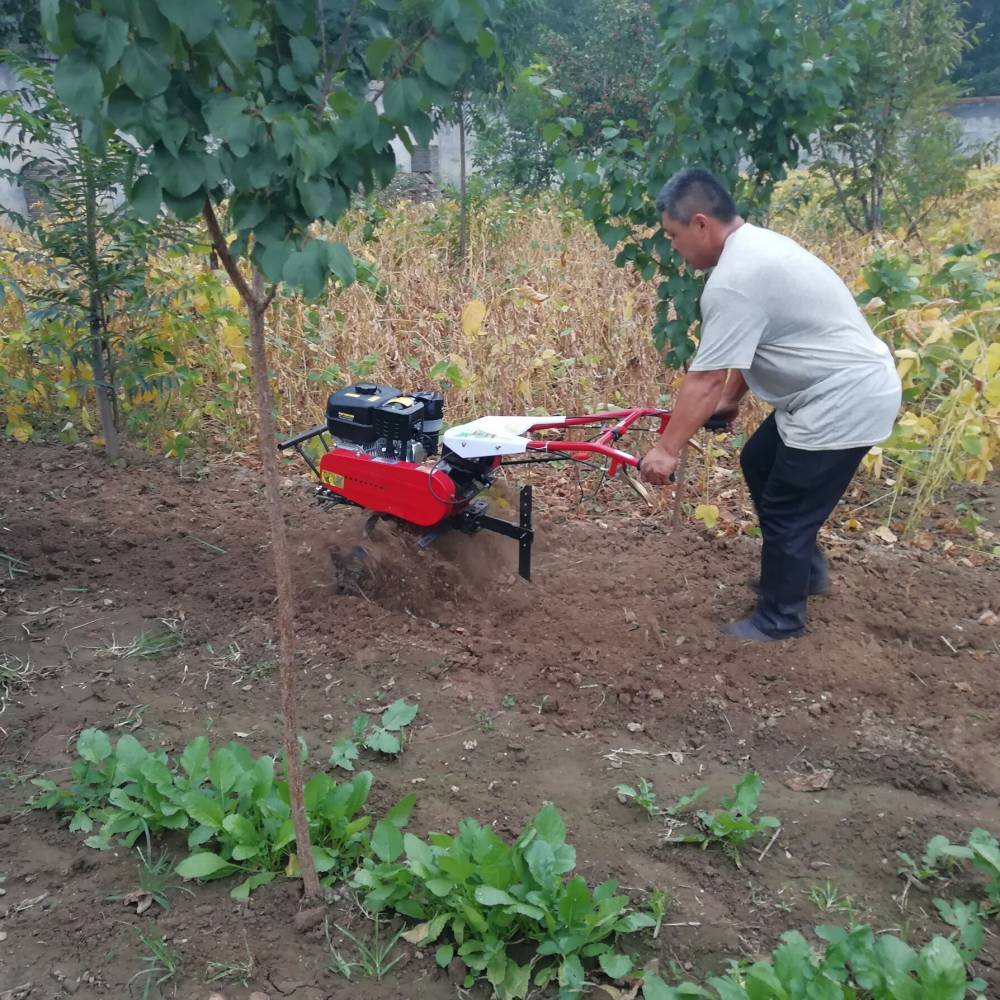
<point x="696" y="401"/>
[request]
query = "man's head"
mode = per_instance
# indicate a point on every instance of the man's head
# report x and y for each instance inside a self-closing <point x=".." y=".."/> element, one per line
<point x="698" y="213"/>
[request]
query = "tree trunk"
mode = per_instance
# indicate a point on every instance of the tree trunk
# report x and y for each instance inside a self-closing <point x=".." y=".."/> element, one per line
<point x="463" y="217"/>
<point x="283" y="578"/>
<point x="102" y="385"/>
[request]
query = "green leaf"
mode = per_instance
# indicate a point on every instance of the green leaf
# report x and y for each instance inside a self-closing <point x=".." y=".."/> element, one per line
<point x="146" y="197"/>
<point x="377" y="52"/>
<point x="444" y="60"/>
<point x="196" y="18"/>
<point x="243" y="890"/>
<point x="194" y="759"/>
<point x="402" y="97"/>
<point x="442" y="887"/>
<point x="306" y="269"/>
<point x="941" y="971"/>
<point x="93" y="745"/>
<point x="444" y="955"/>
<point x="78" y="84"/>
<point x="238" y="45"/>
<point x="398" y="714"/>
<point x="399" y="814"/>
<point x="341" y="263"/>
<point x="382" y="741"/>
<point x="344" y="754"/>
<point x="489" y="896"/>
<point x="145" y="69"/>
<point x="387" y="841"/>
<point x="202" y="865"/>
<point x="550" y="825"/>
<point x="615" y="965"/>
<point x="305" y="57"/>
<point x="571" y="977"/>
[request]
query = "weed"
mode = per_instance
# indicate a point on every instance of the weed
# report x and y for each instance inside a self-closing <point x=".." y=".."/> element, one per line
<point x="159" y="967"/>
<point x="388" y="736"/>
<point x="235" y="972"/>
<point x="659" y="902"/>
<point x="827" y="897"/>
<point x="15" y="567"/>
<point x="509" y="701"/>
<point x="155" y="878"/>
<point x="374" y="956"/>
<point x="734" y="824"/>
<point x="154" y="642"/>
<point x="485" y="721"/>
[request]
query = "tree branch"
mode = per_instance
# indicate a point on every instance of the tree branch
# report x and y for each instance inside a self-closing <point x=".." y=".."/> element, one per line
<point x="222" y="249"/>
<point x="407" y="59"/>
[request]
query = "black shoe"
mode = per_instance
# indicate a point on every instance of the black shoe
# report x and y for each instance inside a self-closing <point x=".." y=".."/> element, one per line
<point x="816" y="588"/>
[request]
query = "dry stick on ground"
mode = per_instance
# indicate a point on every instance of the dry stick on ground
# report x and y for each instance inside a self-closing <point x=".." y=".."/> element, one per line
<point x="257" y="304"/>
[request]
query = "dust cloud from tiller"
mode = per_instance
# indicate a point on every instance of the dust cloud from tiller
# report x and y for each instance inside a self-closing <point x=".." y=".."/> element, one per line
<point x="381" y="562"/>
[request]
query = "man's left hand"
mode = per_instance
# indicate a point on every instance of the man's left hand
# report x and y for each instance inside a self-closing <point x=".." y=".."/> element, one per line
<point x="658" y="466"/>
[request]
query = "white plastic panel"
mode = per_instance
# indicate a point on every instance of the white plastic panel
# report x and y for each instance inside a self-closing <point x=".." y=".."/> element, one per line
<point x="493" y="435"/>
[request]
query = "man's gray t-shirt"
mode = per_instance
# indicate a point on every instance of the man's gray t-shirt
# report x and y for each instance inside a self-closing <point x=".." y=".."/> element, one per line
<point x="787" y="321"/>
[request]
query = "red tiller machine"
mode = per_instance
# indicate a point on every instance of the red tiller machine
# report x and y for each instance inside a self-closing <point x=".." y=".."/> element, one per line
<point x="391" y="455"/>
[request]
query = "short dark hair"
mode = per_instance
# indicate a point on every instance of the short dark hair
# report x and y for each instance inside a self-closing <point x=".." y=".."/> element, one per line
<point x="695" y="189"/>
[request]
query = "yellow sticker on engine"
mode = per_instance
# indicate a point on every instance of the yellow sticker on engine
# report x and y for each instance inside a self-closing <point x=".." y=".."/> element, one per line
<point x="333" y="479"/>
<point x="345" y="416"/>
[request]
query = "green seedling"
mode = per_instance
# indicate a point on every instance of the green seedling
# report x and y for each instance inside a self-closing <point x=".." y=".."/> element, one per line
<point x="983" y="851"/>
<point x="387" y="737"/>
<point x="967" y="919"/>
<point x="509" y="701"/>
<point x="734" y="824"/>
<point x="645" y="798"/>
<point x="485" y="721"/>
<point x="159" y="967"/>
<point x="375" y="958"/>
<point x="930" y="863"/>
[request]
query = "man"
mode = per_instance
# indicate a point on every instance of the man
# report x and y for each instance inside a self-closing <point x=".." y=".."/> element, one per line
<point x="776" y="320"/>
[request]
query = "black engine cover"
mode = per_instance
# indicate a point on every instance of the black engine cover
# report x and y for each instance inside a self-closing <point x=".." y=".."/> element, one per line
<point x="350" y="412"/>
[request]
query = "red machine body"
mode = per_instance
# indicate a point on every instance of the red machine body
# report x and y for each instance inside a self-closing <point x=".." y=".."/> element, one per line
<point x="423" y="495"/>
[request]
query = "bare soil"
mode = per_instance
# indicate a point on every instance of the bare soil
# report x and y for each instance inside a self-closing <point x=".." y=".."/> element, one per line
<point x="525" y="690"/>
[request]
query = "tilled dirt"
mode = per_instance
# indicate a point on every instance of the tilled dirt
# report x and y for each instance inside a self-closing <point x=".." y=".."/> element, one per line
<point x="607" y="667"/>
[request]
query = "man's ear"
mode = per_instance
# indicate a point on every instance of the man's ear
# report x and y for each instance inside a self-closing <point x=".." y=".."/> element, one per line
<point x="700" y="220"/>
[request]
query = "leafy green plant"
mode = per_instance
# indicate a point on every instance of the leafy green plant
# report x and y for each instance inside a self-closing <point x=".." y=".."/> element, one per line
<point x="484" y="894"/>
<point x="967" y="919"/>
<point x="855" y="964"/>
<point x="233" y="806"/>
<point x="983" y="851"/>
<point x="735" y="823"/>
<point x="645" y="798"/>
<point x="387" y="736"/>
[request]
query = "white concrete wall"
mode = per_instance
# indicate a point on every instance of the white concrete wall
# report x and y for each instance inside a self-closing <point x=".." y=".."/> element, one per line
<point x="980" y="119"/>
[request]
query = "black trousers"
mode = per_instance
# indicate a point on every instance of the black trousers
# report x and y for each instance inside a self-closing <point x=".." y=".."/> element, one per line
<point x="794" y="492"/>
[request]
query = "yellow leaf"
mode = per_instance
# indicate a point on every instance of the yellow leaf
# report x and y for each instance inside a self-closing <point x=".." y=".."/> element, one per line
<point x="989" y="365"/>
<point x="233" y="297"/>
<point x="19" y="430"/>
<point x="708" y="514"/>
<point x="85" y="420"/>
<point x="232" y="337"/>
<point x="292" y="869"/>
<point x="852" y="524"/>
<point x="992" y="391"/>
<point x="472" y="318"/>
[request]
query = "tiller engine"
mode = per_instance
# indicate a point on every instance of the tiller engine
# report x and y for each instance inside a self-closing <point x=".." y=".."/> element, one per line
<point x="390" y="455"/>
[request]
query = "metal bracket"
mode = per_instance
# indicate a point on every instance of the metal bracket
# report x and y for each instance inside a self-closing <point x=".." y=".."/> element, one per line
<point x="522" y="532"/>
